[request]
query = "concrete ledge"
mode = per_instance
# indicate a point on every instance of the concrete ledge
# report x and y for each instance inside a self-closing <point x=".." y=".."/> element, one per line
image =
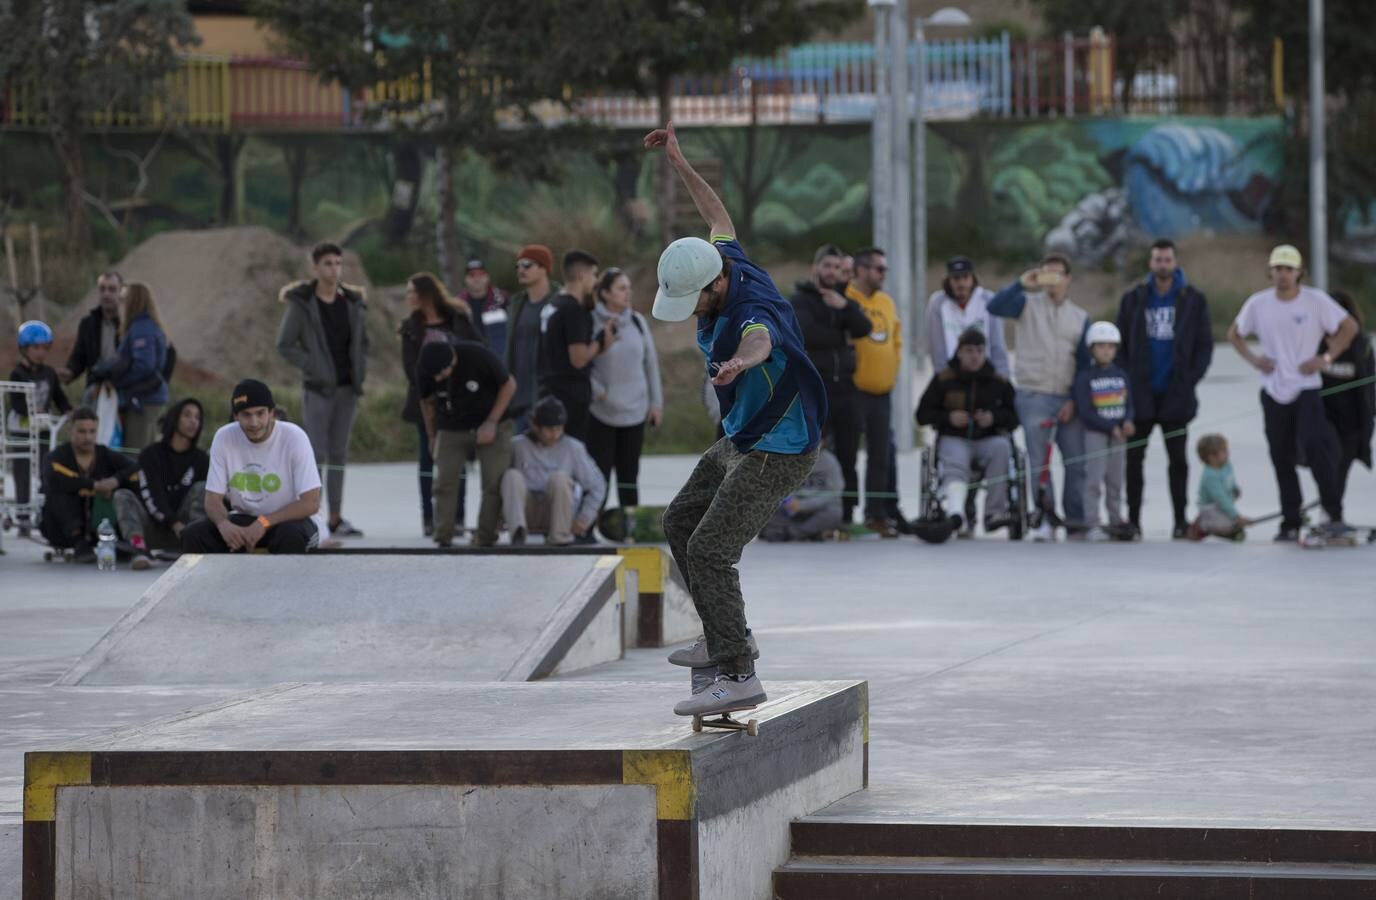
<point x="659" y="610"/>
<point x="229" y="620"/>
<point x="554" y="789"/>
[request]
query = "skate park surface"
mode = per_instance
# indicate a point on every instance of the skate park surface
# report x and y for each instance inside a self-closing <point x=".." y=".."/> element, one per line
<point x="1158" y="684"/>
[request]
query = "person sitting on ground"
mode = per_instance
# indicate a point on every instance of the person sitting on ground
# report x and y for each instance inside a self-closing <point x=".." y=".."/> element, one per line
<point x="35" y="340"/>
<point x="82" y="477"/>
<point x="465" y="394"/>
<point x="171" y="492"/>
<point x="1103" y="401"/>
<point x="813" y="513"/>
<point x="549" y="471"/>
<point x="263" y="487"/>
<point x="1217" y="491"/>
<point x="973" y="408"/>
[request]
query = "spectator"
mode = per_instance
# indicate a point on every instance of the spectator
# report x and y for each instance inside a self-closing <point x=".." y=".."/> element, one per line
<point x="136" y="369"/>
<point x="569" y="346"/>
<point x="82" y="478"/>
<point x="525" y="323"/>
<point x="847" y="269"/>
<point x="1289" y="319"/>
<point x="1217" y="490"/>
<point x="830" y="323"/>
<point x="1104" y="402"/>
<point x="1051" y="349"/>
<point x="434" y="318"/>
<point x="488" y="303"/>
<point x="171" y="492"/>
<point x="961" y="304"/>
<point x="1350" y="396"/>
<point x="35" y="340"/>
<point x="973" y="408"/>
<point x="1167" y="346"/>
<point x="553" y="485"/>
<point x="465" y="391"/>
<point x="878" y="357"/>
<point x="626" y="390"/>
<point x="263" y="487"/>
<point x="813" y="513"/>
<point x="97" y="337"/>
<point x="323" y="334"/>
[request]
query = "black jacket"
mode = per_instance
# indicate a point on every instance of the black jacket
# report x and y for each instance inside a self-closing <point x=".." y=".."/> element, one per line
<point x="165" y="476"/>
<point x="827" y="333"/>
<point x="1194" y="350"/>
<point x="952" y="389"/>
<point x="412" y="332"/>
<point x="1352" y="409"/>
<point x="64" y="476"/>
<point x="86" y="351"/>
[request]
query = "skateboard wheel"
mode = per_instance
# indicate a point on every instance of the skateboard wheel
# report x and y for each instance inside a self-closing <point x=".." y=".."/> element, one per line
<point x="697" y="723"/>
<point x="752" y="728"/>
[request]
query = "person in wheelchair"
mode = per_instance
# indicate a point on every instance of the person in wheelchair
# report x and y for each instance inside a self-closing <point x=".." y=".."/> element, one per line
<point x="971" y="406"/>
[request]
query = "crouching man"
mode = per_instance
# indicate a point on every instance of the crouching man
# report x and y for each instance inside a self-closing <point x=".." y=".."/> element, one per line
<point x="263" y="488"/>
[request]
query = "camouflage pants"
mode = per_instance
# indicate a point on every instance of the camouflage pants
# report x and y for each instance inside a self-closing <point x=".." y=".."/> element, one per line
<point x="727" y="500"/>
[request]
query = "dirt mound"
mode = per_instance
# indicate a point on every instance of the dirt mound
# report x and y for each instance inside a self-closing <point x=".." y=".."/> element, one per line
<point x="216" y="292"/>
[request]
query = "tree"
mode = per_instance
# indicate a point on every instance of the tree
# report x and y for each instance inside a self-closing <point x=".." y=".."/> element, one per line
<point x="85" y="62"/>
<point x="657" y="41"/>
<point x="464" y="75"/>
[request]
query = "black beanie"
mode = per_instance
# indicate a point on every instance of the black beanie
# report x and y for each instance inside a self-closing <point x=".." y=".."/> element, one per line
<point x="972" y="337"/>
<point x="549" y="411"/>
<point x="249" y="394"/>
<point x="435" y="357"/>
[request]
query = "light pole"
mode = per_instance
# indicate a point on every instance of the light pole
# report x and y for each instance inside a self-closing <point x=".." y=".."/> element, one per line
<point x="914" y="305"/>
<point x="881" y="173"/>
<point x="1318" y="170"/>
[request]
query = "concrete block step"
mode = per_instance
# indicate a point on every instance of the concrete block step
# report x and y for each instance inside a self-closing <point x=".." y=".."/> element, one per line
<point x="914" y="878"/>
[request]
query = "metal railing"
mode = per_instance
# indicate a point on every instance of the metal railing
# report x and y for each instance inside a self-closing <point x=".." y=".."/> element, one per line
<point x="812" y="83"/>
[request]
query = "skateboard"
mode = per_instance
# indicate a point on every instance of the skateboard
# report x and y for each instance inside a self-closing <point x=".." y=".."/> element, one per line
<point x="632" y="524"/>
<point x="703" y="676"/>
<point x="1315" y="539"/>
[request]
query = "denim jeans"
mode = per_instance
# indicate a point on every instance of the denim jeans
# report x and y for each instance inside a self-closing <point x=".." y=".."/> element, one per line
<point x="1033" y="409"/>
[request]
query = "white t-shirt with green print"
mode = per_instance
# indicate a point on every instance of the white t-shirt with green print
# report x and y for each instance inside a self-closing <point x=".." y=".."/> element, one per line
<point x="260" y="479"/>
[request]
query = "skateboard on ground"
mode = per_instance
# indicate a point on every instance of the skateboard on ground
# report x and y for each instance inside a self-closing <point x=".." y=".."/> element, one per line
<point x="704" y="675"/>
<point x="1315" y="539"/>
<point x="632" y="524"/>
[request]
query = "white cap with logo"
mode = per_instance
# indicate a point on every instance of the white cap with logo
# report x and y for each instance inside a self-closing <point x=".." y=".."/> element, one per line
<point x="685" y="267"/>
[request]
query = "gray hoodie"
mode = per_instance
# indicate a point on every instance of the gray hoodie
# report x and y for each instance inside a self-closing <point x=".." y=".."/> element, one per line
<point x="625" y="377"/>
<point x="537" y="462"/>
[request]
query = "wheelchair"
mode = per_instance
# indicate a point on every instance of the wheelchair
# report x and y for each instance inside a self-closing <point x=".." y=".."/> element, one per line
<point x="933" y="523"/>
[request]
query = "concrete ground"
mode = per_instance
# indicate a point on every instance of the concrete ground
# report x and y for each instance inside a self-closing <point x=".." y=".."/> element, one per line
<point x="1158" y="682"/>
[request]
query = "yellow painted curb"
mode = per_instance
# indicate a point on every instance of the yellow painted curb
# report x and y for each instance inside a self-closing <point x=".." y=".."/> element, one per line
<point x="44" y="773"/>
<point x="649" y="562"/>
<point x="671" y="772"/>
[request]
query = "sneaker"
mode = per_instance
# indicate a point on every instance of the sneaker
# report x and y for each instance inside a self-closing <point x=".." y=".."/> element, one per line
<point x="1237" y="537"/>
<point x="1181" y="533"/>
<point x="696" y="656"/>
<point x="723" y="695"/>
<point x="1287" y="535"/>
<point x="518" y="537"/>
<point x="994" y="523"/>
<point x="83" y="553"/>
<point x="1096" y="535"/>
<point x="1045" y="534"/>
<point x="881" y="527"/>
<point x="345" y="529"/>
<point x="586" y="537"/>
<point x="140" y="562"/>
<point x="1339" y="533"/>
<point x="902" y="525"/>
<point x="1195" y="532"/>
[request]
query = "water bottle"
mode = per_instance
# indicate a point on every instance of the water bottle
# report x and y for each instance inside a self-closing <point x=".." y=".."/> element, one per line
<point x="105" y="546"/>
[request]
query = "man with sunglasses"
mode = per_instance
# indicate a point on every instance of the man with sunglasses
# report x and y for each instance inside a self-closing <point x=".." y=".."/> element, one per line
<point x="773" y="403"/>
<point x="526" y="314"/>
<point x="877" y="359"/>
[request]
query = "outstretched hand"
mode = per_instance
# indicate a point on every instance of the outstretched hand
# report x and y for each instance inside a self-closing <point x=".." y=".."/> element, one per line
<point x="664" y="137"/>
<point x="727" y="371"/>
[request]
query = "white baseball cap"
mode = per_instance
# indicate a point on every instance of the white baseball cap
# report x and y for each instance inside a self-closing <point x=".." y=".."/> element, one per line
<point x="1286" y="255"/>
<point x="685" y="267"/>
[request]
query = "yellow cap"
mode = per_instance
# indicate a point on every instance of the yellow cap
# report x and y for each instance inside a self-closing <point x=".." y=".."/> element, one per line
<point x="1286" y="255"/>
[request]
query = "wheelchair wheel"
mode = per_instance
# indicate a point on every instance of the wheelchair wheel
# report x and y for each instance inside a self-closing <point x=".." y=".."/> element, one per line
<point x="931" y="487"/>
<point x="1019" y="507"/>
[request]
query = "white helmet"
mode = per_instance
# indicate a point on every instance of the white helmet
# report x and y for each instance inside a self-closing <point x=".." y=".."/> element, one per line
<point x="1103" y="333"/>
<point x="685" y="267"/>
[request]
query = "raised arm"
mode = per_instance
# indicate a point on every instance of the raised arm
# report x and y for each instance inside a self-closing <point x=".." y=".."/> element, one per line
<point x="704" y="198"/>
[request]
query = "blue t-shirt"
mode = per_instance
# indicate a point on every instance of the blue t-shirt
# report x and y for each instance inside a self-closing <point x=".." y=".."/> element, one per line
<point x="779" y="405"/>
<point x="1160" y="315"/>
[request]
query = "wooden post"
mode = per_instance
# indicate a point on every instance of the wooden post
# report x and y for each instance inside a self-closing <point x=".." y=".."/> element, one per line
<point x="9" y="260"/>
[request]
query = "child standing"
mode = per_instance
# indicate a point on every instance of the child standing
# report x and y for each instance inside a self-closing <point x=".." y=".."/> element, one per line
<point x="1217" y="491"/>
<point x="1104" y="406"/>
<point x="35" y="340"/>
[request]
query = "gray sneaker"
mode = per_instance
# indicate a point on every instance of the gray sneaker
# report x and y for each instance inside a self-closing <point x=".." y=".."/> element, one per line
<point x="695" y="657"/>
<point x="723" y="695"/>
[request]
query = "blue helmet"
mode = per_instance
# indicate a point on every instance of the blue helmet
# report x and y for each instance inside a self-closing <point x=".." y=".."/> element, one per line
<point x="34" y="332"/>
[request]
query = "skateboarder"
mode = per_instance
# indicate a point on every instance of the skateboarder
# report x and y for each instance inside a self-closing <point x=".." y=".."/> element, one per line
<point x="772" y="401"/>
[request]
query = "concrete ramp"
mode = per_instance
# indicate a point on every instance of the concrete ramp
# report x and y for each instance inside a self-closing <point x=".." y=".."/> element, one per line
<point x="546" y="790"/>
<point x="261" y="620"/>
